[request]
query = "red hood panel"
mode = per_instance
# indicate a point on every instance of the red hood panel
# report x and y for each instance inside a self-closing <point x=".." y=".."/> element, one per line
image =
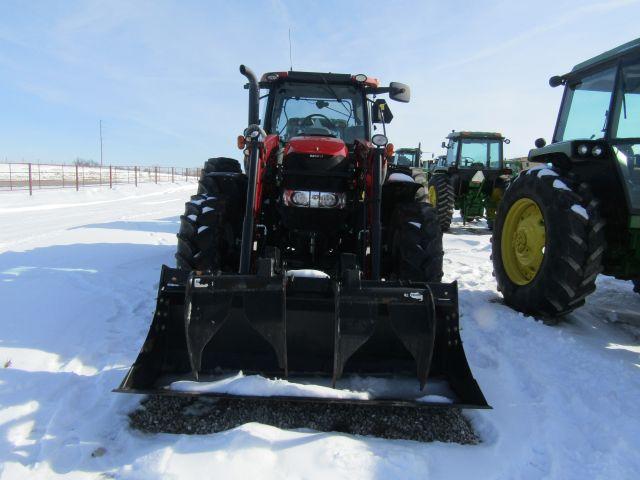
<point x="316" y="145"/>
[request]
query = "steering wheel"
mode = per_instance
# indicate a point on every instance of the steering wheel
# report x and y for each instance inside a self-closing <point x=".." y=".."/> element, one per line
<point x="308" y="120"/>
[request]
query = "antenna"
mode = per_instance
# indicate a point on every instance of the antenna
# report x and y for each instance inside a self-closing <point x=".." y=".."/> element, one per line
<point x="290" y="56"/>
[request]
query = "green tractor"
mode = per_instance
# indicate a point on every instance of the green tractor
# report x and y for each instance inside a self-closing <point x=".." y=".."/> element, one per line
<point x="471" y="177"/>
<point x="517" y="165"/>
<point x="560" y="225"/>
<point x="409" y="161"/>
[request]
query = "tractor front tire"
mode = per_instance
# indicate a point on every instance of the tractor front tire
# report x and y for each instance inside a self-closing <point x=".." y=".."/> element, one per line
<point x="442" y="198"/>
<point x="210" y="228"/>
<point x="416" y="243"/>
<point x="218" y="165"/>
<point x="547" y="244"/>
<point x="636" y="285"/>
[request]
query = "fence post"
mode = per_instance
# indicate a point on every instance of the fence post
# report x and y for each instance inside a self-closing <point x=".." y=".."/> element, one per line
<point x="135" y="177"/>
<point x="172" y="175"/>
<point x="156" y="175"/>
<point x="110" y="178"/>
<point x="77" y="179"/>
<point x="30" y="182"/>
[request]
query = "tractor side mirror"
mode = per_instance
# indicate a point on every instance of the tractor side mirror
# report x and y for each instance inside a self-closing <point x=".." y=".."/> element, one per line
<point x="540" y="142"/>
<point x="380" y="112"/>
<point x="399" y="92"/>
<point x="556" y="81"/>
<point x="444" y="145"/>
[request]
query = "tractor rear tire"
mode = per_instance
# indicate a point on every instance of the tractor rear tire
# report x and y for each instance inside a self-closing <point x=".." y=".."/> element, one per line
<point x="210" y="228"/>
<point x="440" y="191"/>
<point x="547" y="244"/>
<point x="416" y="243"/>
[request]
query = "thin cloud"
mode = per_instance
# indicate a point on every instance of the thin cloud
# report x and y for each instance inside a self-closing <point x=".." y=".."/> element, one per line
<point x="569" y="17"/>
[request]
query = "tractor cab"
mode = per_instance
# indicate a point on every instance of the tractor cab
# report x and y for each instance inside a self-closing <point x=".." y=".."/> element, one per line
<point x="598" y="124"/>
<point x="471" y="176"/>
<point x="407" y="157"/>
<point x="475" y="151"/>
<point x="578" y="214"/>
<point x="310" y="104"/>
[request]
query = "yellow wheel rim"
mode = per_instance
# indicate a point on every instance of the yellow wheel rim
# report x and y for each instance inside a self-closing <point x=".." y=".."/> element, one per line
<point x="433" y="195"/>
<point x="523" y="241"/>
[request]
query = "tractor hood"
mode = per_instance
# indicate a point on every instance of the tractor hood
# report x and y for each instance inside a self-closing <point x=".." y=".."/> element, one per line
<point x="321" y="146"/>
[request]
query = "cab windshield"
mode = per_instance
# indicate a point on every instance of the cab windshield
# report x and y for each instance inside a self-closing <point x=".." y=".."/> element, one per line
<point x="480" y="152"/>
<point x="585" y="110"/>
<point x="404" y="159"/>
<point x="302" y="109"/>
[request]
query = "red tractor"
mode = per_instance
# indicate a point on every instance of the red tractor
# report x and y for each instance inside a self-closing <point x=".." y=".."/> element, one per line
<point x="316" y="260"/>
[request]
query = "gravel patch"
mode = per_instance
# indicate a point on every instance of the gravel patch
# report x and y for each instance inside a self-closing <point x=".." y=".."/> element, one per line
<point x="163" y="414"/>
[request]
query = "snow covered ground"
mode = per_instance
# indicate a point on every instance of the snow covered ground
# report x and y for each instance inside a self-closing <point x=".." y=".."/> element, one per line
<point x="78" y="277"/>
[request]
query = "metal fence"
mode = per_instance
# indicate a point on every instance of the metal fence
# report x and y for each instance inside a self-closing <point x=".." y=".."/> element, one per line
<point x="40" y="176"/>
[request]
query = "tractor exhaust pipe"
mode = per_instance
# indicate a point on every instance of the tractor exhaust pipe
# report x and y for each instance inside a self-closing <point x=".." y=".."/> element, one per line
<point x="253" y="134"/>
<point x="254" y="95"/>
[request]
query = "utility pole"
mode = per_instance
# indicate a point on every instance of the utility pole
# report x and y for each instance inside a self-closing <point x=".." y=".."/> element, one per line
<point x="100" y="143"/>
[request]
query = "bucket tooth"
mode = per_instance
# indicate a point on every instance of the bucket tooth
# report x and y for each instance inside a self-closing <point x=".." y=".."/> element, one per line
<point x="413" y="320"/>
<point x="355" y="321"/>
<point x="266" y="312"/>
<point x="202" y="322"/>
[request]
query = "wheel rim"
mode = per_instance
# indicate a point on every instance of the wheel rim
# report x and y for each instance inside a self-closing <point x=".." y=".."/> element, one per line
<point x="523" y="241"/>
<point x="433" y="195"/>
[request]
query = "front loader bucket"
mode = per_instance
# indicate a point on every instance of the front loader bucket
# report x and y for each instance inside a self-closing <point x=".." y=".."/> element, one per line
<point x="346" y="340"/>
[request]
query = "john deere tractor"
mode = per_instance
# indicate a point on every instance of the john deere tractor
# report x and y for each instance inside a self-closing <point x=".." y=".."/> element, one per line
<point x="409" y="161"/>
<point x="559" y="226"/>
<point x="471" y="177"/>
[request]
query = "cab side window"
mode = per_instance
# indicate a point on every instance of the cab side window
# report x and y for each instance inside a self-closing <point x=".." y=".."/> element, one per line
<point x="452" y="151"/>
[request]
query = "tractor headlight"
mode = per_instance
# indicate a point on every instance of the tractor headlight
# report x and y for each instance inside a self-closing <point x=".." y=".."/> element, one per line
<point x="583" y="149"/>
<point x="596" y="151"/>
<point x="379" y="140"/>
<point x="300" y="198"/>
<point x="328" y="200"/>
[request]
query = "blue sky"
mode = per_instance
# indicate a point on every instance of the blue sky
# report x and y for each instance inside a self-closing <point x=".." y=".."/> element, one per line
<point x="163" y="75"/>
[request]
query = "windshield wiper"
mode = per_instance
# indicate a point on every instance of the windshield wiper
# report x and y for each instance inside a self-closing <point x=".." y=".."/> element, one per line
<point x="333" y="92"/>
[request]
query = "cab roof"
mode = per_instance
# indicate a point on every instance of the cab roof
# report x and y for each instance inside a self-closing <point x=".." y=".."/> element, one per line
<point x="270" y="78"/>
<point x="466" y="134"/>
<point x="599" y="62"/>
